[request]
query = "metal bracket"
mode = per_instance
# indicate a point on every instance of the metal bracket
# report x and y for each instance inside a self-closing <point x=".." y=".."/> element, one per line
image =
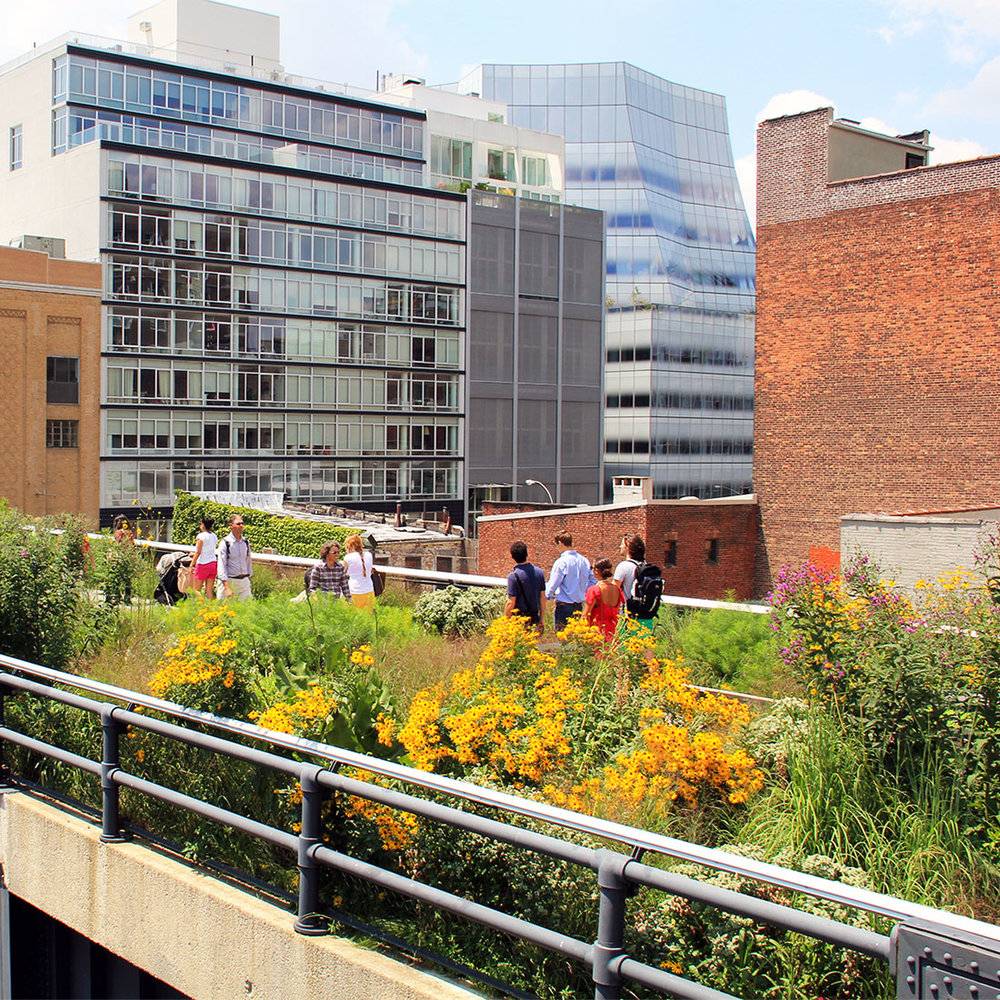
<point x="931" y="964"/>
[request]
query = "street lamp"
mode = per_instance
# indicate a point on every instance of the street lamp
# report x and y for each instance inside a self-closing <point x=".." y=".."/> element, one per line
<point x="535" y="482"/>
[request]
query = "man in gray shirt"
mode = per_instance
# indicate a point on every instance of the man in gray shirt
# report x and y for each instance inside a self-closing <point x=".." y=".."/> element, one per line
<point x="235" y="567"/>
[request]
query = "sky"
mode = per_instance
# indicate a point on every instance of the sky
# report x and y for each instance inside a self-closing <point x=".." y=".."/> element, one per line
<point x="893" y="65"/>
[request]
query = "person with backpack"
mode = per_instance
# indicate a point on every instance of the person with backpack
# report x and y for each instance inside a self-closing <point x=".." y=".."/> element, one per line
<point x="234" y="564"/>
<point x="641" y="582"/>
<point x="328" y="575"/>
<point x="525" y="588"/>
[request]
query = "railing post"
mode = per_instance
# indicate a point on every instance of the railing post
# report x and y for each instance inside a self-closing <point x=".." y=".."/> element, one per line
<point x="610" y="943"/>
<point x="110" y="762"/>
<point x="4" y="771"/>
<point x="310" y="921"/>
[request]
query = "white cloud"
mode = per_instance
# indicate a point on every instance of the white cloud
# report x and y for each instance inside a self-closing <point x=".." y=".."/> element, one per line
<point x="792" y="102"/>
<point x="968" y="25"/>
<point x="746" y="175"/>
<point x="980" y="98"/>
<point x="25" y="25"/>
<point x="953" y="150"/>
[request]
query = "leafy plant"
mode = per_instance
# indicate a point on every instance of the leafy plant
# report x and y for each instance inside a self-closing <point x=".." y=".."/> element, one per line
<point x="458" y="611"/>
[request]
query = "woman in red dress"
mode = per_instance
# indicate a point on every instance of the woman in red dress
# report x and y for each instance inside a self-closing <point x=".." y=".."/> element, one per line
<point x="604" y="599"/>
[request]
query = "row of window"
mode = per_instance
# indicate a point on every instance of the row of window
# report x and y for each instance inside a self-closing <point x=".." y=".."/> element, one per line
<point x="240" y="105"/>
<point x="260" y="241"/>
<point x="215" y="385"/>
<point x="291" y="434"/>
<point x="221" y="285"/>
<point x="681" y="446"/>
<point x="248" y="336"/>
<point x="319" y="201"/>
<point x="452" y="159"/>
<point x="682" y="401"/>
<point x="680" y="355"/>
<point x="154" y="483"/>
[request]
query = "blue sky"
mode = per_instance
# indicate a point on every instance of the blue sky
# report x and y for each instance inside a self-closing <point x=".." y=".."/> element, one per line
<point x="896" y="65"/>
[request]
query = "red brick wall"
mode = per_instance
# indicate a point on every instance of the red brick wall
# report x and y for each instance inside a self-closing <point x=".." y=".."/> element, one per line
<point x="877" y="345"/>
<point x="597" y="532"/>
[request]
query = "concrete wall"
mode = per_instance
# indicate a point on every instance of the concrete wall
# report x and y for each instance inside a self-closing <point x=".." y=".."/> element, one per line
<point x="597" y="532"/>
<point x="207" y="939"/>
<point x="909" y="549"/>
<point x="878" y="351"/>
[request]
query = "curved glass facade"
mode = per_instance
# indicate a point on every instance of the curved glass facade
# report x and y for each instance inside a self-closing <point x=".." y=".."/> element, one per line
<point x="655" y="156"/>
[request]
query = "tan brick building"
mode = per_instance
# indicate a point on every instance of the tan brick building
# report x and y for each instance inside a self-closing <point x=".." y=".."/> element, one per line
<point x="878" y="332"/>
<point x="50" y="324"/>
<point x="705" y="548"/>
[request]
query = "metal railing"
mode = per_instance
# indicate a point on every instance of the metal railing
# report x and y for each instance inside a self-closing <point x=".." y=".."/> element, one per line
<point x="923" y="942"/>
<point x="458" y="579"/>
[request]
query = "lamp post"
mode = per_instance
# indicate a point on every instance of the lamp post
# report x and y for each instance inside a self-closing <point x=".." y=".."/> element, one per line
<point x="535" y="482"/>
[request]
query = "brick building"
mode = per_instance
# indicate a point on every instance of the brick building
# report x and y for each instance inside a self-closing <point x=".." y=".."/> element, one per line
<point x="878" y="345"/>
<point x="704" y="547"/>
<point x="50" y="324"/>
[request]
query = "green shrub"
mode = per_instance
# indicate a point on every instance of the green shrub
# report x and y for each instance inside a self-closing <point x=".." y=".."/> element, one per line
<point x="39" y="590"/>
<point x="456" y="611"/>
<point x="287" y="535"/>
<point x="731" y="649"/>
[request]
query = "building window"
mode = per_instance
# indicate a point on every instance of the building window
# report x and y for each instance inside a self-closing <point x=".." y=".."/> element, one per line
<point x="62" y="380"/>
<point x="712" y="551"/>
<point x="61" y="433"/>
<point x="16" y="147"/>
<point x="670" y="554"/>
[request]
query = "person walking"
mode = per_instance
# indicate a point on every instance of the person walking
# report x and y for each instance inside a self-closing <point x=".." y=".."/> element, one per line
<point x="568" y="582"/>
<point x="206" y="566"/>
<point x="604" y="600"/>
<point x="234" y="565"/>
<point x="328" y="575"/>
<point x="358" y="566"/>
<point x="634" y="550"/>
<point x="525" y="588"/>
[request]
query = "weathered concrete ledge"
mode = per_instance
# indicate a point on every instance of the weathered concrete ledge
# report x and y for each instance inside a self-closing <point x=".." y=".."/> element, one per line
<point x="205" y="938"/>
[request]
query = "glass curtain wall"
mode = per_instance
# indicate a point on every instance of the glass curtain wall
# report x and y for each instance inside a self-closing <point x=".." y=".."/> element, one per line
<point x="284" y="297"/>
<point x="655" y="156"/>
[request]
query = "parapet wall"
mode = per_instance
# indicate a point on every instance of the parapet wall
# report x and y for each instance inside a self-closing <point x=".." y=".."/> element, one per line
<point x="205" y="938"/>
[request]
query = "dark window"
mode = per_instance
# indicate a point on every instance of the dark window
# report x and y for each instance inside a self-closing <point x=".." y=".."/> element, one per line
<point x="62" y="433"/>
<point x="63" y="380"/>
<point x="670" y="554"/>
<point x="712" y="551"/>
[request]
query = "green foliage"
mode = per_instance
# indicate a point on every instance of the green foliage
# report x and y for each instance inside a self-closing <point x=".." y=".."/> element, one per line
<point x="39" y="590"/>
<point x="743" y="958"/>
<point x="286" y="535"/>
<point x="730" y="649"/>
<point x="458" y="611"/>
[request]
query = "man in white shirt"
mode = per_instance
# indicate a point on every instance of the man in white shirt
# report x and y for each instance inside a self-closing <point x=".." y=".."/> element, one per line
<point x="235" y="567"/>
<point x="568" y="582"/>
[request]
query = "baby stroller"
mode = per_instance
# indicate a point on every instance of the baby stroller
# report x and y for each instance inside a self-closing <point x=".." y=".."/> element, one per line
<point x="167" y="566"/>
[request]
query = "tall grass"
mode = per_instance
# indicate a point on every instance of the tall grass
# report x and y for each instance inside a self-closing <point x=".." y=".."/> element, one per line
<point x="836" y="802"/>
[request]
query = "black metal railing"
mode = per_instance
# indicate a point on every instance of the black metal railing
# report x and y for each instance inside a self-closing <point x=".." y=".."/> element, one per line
<point x="923" y="942"/>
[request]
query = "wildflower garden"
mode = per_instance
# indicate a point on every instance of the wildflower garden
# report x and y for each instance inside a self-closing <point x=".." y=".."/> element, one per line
<point x="872" y="758"/>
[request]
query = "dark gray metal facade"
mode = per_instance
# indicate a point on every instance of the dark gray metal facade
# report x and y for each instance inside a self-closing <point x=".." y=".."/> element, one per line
<point x="534" y="375"/>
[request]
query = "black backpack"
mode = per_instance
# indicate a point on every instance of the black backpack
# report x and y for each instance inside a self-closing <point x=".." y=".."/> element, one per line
<point x="647" y="589"/>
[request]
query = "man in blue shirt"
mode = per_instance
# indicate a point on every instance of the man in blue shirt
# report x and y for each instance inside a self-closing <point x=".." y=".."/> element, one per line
<point x="568" y="582"/>
<point x="525" y="588"/>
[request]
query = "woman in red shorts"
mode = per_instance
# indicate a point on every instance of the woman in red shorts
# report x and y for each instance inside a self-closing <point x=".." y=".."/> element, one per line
<point x="204" y="558"/>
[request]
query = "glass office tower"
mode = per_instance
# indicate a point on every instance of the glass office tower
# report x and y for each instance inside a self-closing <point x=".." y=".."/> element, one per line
<point x="656" y="157"/>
